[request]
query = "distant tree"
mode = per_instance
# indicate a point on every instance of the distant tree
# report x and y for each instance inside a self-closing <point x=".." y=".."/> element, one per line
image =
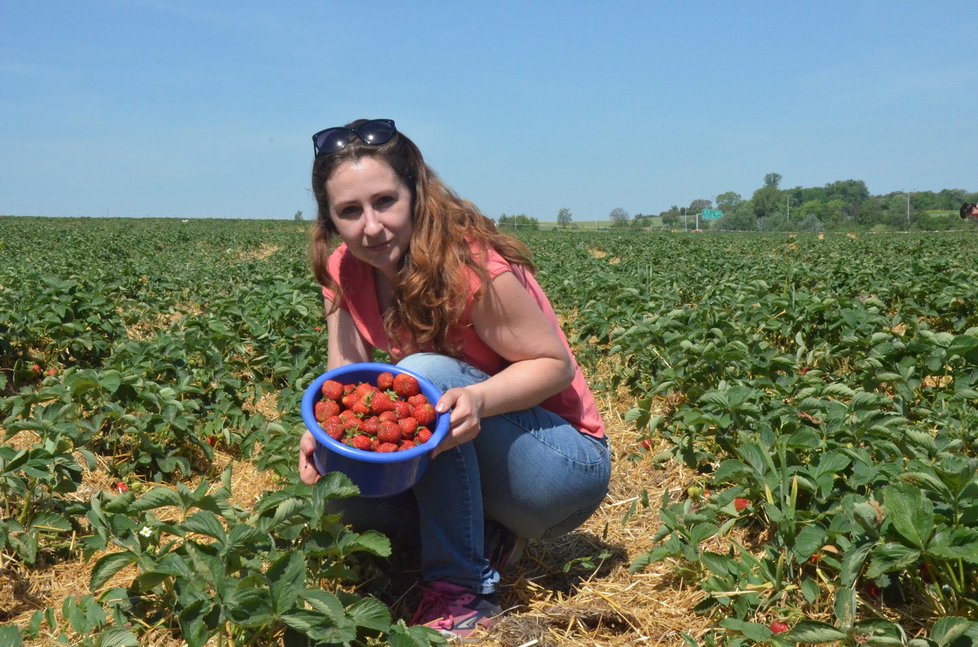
<point x="298" y="216"/>
<point x="698" y="205"/>
<point x="519" y="221"/>
<point x="767" y="199"/>
<point x="564" y="217"/>
<point x="670" y="218"/>
<point x="619" y="217"/>
<point x="741" y="218"/>
<point x="727" y="202"/>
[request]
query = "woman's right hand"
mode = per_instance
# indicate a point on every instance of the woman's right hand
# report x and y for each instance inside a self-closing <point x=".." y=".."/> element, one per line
<point x="308" y="473"/>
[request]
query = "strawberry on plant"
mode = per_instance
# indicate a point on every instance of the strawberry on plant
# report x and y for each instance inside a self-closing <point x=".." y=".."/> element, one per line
<point x="332" y="390"/>
<point x="385" y="381"/>
<point x="36" y="368"/>
<point x="51" y="372"/>
<point x="121" y="487"/>
<point x="406" y="385"/>
<point x="741" y="504"/>
<point x="779" y="627"/>
<point x="212" y="440"/>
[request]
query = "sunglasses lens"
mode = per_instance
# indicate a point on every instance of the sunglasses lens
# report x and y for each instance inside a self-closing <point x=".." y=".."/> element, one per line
<point x="377" y="132"/>
<point x="330" y="140"/>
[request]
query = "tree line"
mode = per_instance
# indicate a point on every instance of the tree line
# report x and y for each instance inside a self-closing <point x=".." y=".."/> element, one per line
<point x="846" y="204"/>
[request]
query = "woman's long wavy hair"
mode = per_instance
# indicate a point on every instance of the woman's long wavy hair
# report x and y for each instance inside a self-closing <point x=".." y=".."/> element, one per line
<point x="431" y="289"/>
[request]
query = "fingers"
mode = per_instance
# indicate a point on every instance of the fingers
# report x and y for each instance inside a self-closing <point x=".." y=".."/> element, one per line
<point x="308" y="473"/>
<point x="465" y="422"/>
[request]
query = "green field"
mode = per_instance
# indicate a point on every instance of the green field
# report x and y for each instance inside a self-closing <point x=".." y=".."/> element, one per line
<point x="821" y="387"/>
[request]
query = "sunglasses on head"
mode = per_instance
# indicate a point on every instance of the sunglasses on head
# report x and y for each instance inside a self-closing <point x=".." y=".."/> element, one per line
<point x="374" y="132"/>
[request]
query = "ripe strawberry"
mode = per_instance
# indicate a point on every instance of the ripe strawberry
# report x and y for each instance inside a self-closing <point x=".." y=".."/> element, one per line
<point x="389" y="432"/>
<point x="779" y="628"/>
<point x="36" y="368"/>
<point x="318" y="329"/>
<point x="324" y="409"/>
<point x="353" y="425"/>
<point x="349" y="400"/>
<point x="406" y="445"/>
<point x="51" y="372"/>
<point x="402" y="409"/>
<point x="409" y="427"/>
<point x="346" y="414"/>
<point x="417" y="400"/>
<point x="348" y="388"/>
<point x="425" y="415"/>
<point x="380" y="402"/>
<point x="362" y="443"/>
<point x="386" y="448"/>
<point x="334" y="427"/>
<point x="332" y="390"/>
<point x="646" y="444"/>
<point x="364" y="389"/>
<point x="360" y="408"/>
<point x="388" y="415"/>
<point x="385" y="381"/>
<point x="212" y="440"/>
<point x="741" y="504"/>
<point x="406" y="385"/>
<point x="424" y="435"/>
<point x="371" y="425"/>
<point x="121" y="487"/>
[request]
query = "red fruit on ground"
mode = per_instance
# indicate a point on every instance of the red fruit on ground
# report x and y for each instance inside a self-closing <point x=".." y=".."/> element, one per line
<point x="388" y="432"/>
<point x="51" y="372"/>
<point x="425" y="415"/>
<point x="385" y="381"/>
<point x="332" y="390"/>
<point x="318" y="329"/>
<point x="741" y="504"/>
<point x="779" y="628"/>
<point x="121" y="487"/>
<point x="406" y="385"/>
<point x="36" y="368"/>
<point x="409" y="427"/>
<point x="646" y="444"/>
<point x="212" y="440"/>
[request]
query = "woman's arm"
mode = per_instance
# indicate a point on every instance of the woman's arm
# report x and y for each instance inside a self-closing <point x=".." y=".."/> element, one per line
<point x="511" y="323"/>
<point x="344" y="345"/>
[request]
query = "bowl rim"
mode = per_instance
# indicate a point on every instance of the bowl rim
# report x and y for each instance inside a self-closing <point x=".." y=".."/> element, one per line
<point x="313" y="394"/>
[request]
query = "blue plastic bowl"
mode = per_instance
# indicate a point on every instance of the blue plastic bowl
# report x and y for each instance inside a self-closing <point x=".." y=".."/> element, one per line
<point x="376" y="475"/>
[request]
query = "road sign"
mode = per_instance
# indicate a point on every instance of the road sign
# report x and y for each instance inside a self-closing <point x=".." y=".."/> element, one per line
<point x="711" y="214"/>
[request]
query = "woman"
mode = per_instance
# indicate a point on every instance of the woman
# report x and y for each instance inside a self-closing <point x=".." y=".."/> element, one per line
<point x="422" y="275"/>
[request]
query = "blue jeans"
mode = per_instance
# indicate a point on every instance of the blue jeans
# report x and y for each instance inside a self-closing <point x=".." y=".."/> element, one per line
<point x="529" y="470"/>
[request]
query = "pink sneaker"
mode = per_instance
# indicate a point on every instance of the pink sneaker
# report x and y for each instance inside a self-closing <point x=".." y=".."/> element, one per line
<point x="454" y="611"/>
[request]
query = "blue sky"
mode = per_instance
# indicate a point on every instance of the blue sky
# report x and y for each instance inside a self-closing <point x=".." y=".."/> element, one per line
<point x="205" y="109"/>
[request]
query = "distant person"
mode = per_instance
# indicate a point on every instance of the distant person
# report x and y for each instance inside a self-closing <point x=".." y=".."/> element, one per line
<point x="424" y="276"/>
<point x="969" y="210"/>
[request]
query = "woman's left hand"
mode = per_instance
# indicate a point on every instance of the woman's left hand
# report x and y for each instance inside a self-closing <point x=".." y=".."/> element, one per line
<point x="465" y="405"/>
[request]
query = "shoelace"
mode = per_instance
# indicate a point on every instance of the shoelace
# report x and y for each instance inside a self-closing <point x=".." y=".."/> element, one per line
<point x="437" y="603"/>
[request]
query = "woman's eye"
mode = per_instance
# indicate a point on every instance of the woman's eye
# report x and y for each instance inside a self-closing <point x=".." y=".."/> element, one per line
<point x="386" y="201"/>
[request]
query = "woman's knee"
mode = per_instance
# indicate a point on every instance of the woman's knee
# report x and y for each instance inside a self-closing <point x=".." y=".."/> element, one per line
<point x="442" y="371"/>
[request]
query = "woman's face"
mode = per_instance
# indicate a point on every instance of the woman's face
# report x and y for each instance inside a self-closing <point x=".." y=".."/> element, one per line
<point x="371" y="209"/>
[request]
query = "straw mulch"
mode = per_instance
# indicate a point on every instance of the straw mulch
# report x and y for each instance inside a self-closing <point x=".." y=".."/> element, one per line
<point x="596" y="603"/>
